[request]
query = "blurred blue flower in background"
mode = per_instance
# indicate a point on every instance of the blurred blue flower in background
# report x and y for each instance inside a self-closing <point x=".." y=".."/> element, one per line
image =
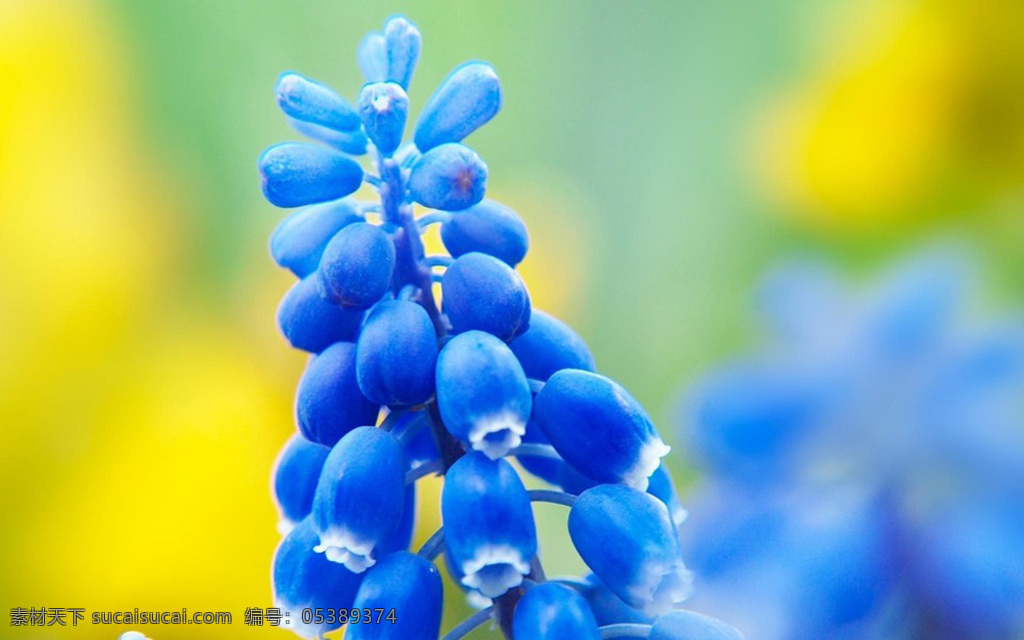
<point x="866" y="466"/>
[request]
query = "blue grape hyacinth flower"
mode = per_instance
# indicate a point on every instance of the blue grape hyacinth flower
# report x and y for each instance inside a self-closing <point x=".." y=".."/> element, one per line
<point x="865" y="467"/>
<point x="360" y="496"/>
<point x="401" y="384"/>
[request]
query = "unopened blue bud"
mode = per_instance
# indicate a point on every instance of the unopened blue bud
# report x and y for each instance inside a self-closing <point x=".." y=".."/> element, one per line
<point x="396" y="354"/>
<point x="299" y="241"/>
<point x="311" y="323"/>
<point x="488" y="523"/>
<point x="357" y="264"/>
<point x="303" y="579"/>
<point x="351" y="142"/>
<point x="598" y="428"/>
<point x="627" y="539"/>
<point x="554" y="612"/>
<point x="296" y="473"/>
<point x="411" y="587"/>
<point x="467" y="99"/>
<point x="487" y="227"/>
<point x="402" y="40"/>
<point x="450" y="177"/>
<point x="688" y="625"/>
<point x="360" y="497"/>
<point x="329" y="403"/>
<point x="483" y="293"/>
<point x="372" y="57"/>
<point x="383" y="107"/>
<point x="314" y="102"/>
<point x="299" y="173"/>
<point x="482" y="393"/>
<point x="549" y="345"/>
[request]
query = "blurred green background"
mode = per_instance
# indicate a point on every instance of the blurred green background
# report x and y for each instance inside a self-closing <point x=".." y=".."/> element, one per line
<point x="662" y="154"/>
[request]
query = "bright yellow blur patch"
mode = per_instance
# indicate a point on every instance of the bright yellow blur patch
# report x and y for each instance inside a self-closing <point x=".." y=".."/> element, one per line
<point x="138" y="431"/>
<point x="917" y="103"/>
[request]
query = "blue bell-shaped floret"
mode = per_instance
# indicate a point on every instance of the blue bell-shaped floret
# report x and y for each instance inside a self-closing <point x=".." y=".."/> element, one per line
<point x="628" y="540"/>
<point x="360" y="497"/>
<point x="482" y="393"/>
<point x="488" y="523"/>
<point x="598" y="428"/>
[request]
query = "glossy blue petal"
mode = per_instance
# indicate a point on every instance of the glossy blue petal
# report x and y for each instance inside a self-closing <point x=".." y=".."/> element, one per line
<point x="467" y="99"/>
<point x="314" y="102"/>
<point x="356" y="266"/>
<point x="396" y="354"/>
<point x="554" y="612"/>
<point x="482" y="393"/>
<point x="450" y="177"/>
<point x="351" y="142"/>
<point x="407" y="584"/>
<point x="383" y="106"/>
<point x="608" y="608"/>
<point x="550" y="345"/>
<point x="628" y="540"/>
<point x="296" y="473"/>
<point x="299" y="241"/>
<point x="687" y="625"/>
<point x="483" y="293"/>
<point x="402" y="43"/>
<point x="598" y="428"/>
<point x="372" y="57"/>
<point x="488" y="523"/>
<point x="311" y="323"/>
<point x="304" y="579"/>
<point x="360" y="497"/>
<point x="298" y="173"/>
<point x="329" y="403"/>
<point x="487" y="227"/>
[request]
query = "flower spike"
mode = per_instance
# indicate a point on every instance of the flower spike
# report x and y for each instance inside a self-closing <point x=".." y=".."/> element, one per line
<point x="457" y="379"/>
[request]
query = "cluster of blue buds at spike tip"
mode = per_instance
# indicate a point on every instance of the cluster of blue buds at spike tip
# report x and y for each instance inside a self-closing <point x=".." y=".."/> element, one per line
<point x="399" y="386"/>
<point x="864" y="470"/>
